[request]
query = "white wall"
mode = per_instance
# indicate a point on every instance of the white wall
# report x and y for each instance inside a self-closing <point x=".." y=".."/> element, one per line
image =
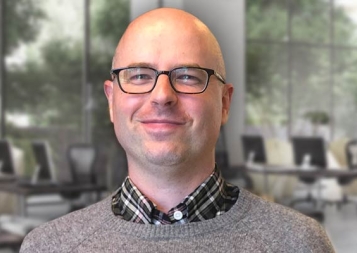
<point x="226" y="19"/>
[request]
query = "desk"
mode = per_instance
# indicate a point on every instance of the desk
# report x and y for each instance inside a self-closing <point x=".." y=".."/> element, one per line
<point x="297" y="171"/>
<point x="312" y="173"/>
<point x="26" y="191"/>
<point x="8" y="240"/>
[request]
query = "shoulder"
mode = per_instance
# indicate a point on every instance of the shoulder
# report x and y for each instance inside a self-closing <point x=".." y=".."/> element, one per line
<point x="281" y="226"/>
<point x="72" y="228"/>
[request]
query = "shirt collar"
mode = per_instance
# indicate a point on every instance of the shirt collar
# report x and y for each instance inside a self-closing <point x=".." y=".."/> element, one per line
<point x="210" y="199"/>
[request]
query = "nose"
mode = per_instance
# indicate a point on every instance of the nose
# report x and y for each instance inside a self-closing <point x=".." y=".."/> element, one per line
<point x="163" y="94"/>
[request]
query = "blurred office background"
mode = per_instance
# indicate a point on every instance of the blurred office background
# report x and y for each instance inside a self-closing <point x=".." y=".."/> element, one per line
<point x="293" y="65"/>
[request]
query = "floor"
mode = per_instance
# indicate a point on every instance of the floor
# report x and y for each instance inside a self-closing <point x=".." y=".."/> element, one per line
<point x="340" y="225"/>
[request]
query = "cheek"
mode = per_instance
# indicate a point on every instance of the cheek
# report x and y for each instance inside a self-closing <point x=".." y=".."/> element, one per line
<point x="207" y="129"/>
<point x="123" y="111"/>
<point x="214" y="106"/>
<point x="208" y="114"/>
<point x="214" y="116"/>
<point x="124" y="107"/>
<point x="122" y="115"/>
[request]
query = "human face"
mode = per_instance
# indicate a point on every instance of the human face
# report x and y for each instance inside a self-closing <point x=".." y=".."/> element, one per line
<point x="165" y="128"/>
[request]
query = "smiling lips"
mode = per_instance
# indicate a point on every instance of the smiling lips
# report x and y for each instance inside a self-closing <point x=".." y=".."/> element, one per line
<point x="162" y="121"/>
<point x="161" y="124"/>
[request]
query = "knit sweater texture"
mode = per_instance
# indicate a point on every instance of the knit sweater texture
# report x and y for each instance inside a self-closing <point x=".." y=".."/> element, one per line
<point x="251" y="225"/>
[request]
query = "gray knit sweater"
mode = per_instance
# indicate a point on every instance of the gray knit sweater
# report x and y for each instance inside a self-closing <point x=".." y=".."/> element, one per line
<point x="251" y="225"/>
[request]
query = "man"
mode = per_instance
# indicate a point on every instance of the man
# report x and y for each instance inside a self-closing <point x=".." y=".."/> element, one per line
<point x="168" y="99"/>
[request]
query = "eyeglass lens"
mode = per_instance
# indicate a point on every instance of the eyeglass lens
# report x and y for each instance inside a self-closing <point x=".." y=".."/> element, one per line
<point x="140" y="80"/>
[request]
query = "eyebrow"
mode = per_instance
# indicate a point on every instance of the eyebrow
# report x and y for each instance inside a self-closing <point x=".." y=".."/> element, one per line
<point x="141" y="64"/>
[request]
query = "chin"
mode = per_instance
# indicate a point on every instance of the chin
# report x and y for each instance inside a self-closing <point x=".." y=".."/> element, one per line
<point x="165" y="158"/>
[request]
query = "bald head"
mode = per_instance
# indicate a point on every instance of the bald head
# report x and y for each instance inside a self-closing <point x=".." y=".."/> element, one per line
<point x="167" y="128"/>
<point x="169" y="28"/>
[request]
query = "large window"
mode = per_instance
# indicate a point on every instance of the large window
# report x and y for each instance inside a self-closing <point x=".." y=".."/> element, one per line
<point x="301" y="68"/>
<point x="48" y="57"/>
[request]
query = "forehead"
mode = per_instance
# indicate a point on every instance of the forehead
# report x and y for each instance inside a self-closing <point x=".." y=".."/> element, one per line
<point x="165" y="43"/>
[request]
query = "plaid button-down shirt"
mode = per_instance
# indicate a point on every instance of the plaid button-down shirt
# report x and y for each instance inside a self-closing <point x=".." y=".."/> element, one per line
<point x="212" y="198"/>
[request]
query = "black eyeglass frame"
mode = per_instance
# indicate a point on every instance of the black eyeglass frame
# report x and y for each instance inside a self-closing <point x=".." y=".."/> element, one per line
<point x="210" y="72"/>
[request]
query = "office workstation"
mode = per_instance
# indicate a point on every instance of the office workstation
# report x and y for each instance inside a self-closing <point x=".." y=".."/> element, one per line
<point x="44" y="186"/>
<point x="24" y="191"/>
<point x="43" y="180"/>
<point x="310" y="164"/>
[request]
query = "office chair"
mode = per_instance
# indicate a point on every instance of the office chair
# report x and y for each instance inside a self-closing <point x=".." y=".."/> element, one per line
<point x="308" y="152"/>
<point x="254" y="149"/>
<point x="7" y="169"/>
<point x="45" y="171"/>
<point x="254" y="153"/>
<point x="81" y="159"/>
<point x="351" y="157"/>
<point x="7" y="174"/>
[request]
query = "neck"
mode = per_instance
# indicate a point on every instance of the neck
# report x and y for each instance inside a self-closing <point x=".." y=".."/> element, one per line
<point x="168" y="186"/>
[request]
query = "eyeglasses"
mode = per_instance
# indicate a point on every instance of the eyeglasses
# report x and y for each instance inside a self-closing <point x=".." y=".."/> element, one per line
<point x="187" y="80"/>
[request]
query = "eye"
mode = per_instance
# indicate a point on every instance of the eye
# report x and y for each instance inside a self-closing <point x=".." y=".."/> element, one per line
<point x="139" y="76"/>
<point x="188" y="76"/>
<point x="189" y="79"/>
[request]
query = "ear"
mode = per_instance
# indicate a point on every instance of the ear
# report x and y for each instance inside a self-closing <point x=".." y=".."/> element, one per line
<point x="108" y="90"/>
<point x="226" y="102"/>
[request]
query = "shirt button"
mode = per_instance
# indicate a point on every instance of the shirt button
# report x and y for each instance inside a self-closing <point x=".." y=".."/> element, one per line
<point x="178" y="215"/>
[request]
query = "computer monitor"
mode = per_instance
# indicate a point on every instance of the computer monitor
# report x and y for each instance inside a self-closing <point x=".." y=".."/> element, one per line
<point x="44" y="165"/>
<point x="6" y="161"/>
<point x="253" y="148"/>
<point x="310" y="151"/>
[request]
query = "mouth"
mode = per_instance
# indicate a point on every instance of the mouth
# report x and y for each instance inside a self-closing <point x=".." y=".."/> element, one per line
<point x="162" y="122"/>
<point x="161" y="125"/>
